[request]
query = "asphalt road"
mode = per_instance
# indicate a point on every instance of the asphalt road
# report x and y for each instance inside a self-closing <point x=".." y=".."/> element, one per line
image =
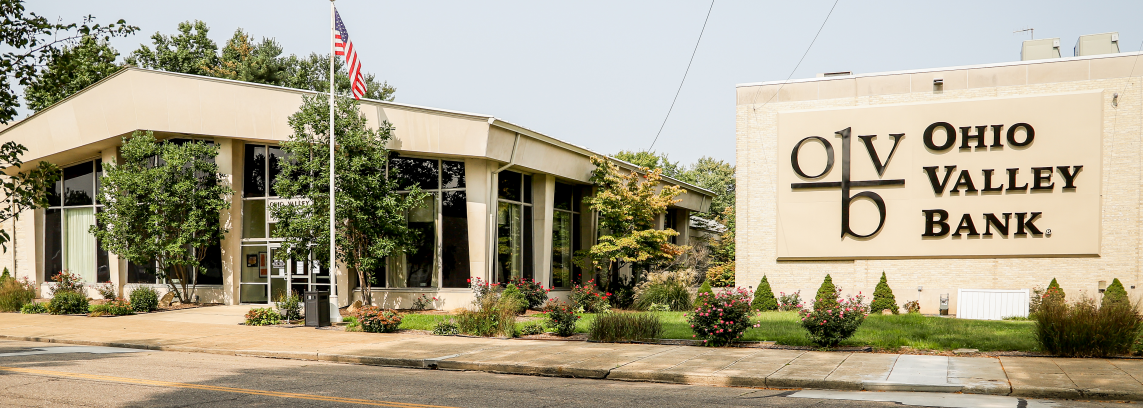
<point x="43" y="374"/>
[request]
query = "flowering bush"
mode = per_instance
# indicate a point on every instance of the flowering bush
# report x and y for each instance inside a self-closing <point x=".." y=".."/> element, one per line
<point x="721" y="318"/>
<point x="107" y="290"/>
<point x="67" y="282"/>
<point x="262" y="316"/>
<point x="424" y="302"/>
<point x="533" y="291"/>
<point x="831" y="322"/>
<point x="913" y="306"/>
<point x="376" y="320"/>
<point x="589" y="300"/>
<point x="790" y="302"/>
<point x="480" y="288"/>
<point x="561" y="317"/>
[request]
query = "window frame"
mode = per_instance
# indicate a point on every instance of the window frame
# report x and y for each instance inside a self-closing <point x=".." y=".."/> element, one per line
<point x="528" y="236"/>
<point x="575" y="233"/>
<point x="96" y="205"/>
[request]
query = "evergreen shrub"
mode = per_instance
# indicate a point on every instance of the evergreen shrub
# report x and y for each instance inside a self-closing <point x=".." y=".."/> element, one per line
<point x="144" y="299"/>
<point x="34" y="308"/>
<point x="827" y="292"/>
<point x="764" y="299"/>
<point x="883" y="298"/>
<point x="1115" y="294"/>
<point x="68" y="303"/>
<point x="514" y="300"/>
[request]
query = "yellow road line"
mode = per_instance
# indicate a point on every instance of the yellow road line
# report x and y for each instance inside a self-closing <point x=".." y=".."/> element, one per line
<point x="216" y="388"/>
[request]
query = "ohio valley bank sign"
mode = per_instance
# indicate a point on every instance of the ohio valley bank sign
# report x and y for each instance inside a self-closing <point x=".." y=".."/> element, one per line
<point x="985" y="177"/>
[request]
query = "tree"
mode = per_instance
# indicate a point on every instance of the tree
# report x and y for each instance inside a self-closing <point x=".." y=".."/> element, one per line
<point x="70" y="70"/>
<point x="22" y="190"/>
<point x="312" y="73"/>
<point x="371" y="215"/>
<point x="704" y="290"/>
<point x="628" y="205"/>
<point x="163" y="204"/>
<point x="1054" y="291"/>
<point x="1115" y="294"/>
<point x="827" y="293"/>
<point x="30" y="41"/>
<point x="764" y="299"/>
<point x="883" y="298"/>
<point x="652" y="160"/>
<point x="717" y="176"/>
<point x="242" y="60"/>
<point x="189" y="52"/>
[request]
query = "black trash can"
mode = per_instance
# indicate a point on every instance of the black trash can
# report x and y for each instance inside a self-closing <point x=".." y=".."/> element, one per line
<point x="317" y="309"/>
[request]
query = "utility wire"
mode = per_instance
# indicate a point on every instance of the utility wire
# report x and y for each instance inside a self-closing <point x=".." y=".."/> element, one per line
<point x="684" y="76"/>
<point x="799" y="61"/>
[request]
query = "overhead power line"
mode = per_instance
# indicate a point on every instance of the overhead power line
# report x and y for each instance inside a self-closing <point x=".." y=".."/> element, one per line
<point x="804" y="54"/>
<point x="684" y="76"/>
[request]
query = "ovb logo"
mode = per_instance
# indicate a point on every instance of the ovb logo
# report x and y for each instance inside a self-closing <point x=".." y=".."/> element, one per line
<point x="846" y="185"/>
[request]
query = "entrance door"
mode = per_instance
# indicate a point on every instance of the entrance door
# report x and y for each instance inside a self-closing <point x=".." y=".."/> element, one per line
<point x="296" y="276"/>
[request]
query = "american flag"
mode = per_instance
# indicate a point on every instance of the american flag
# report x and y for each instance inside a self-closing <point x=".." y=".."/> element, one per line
<point x="343" y="46"/>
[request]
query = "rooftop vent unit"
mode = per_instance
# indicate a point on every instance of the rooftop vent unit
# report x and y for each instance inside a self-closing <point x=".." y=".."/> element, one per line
<point x="1095" y="44"/>
<point x="1040" y="49"/>
<point x="835" y="74"/>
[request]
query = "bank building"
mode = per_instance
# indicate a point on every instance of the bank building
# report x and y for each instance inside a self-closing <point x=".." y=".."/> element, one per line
<point x="504" y="201"/>
<point x="967" y="186"/>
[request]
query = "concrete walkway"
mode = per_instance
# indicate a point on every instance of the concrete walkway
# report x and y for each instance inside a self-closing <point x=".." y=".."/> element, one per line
<point x="1116" y="379"/>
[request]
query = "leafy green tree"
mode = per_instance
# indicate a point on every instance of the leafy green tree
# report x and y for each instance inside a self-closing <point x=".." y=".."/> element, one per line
<point x="243" y="60"/>
<point x="1115" y="294"/>
<point x="764" y="299"/>
<point x="827" y="293"/>
<point x="30" y="40"/>
<point x="883" y="298"/>
<point x="163" y="204"/>
<point x="717" y="176"/>
<point x="652" y="160"/>
<point x="190" y="51"/>
<point x="70" y="70"/>
<point x="371" y="219"/>
<point x="628" y="205"/>
<point x="312" y="73"/>
<point x="22" y="190"/>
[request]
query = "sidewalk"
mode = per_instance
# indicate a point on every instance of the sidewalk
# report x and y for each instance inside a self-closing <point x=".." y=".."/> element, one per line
<point x="1016" y="376"/>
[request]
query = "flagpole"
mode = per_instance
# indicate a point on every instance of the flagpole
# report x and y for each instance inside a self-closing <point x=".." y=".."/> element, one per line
<point x="334" y="313"/>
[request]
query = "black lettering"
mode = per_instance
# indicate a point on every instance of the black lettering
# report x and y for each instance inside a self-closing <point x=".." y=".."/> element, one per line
<point x="939" y="221"/>
<point x="1026" y="225"/>
<point x="868" y="141"/>
<point x="966" y="224"/>
<point x="964" y="180"/>
<point x="988" y="182"/>
<point x="1012" y="181"/>
<point x="1069" y="178"/>
<point x="798" y="147"/>
<point x="845" y="213"/>
<point x="1041" y="175"/>
<point x="996" y="136"/>
<point x="965" y="137"/>
<point x="1028" y="132"/>
<point x="950" y="136"/>
<point x="939" y="186"/>
<point x="990" y="221"/>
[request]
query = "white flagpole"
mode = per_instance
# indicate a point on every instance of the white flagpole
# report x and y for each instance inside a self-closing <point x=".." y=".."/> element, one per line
<point x="334" y="305"/>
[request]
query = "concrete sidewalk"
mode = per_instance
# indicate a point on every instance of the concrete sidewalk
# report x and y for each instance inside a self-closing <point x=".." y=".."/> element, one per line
<point x="1017" y="376"/>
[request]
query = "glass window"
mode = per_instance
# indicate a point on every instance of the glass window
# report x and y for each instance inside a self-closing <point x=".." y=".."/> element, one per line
<point x="509" y="184"/>
<point x="528" y="189"/>
<point x="53" y="241"/>
<point x="561" y="249"/>
<point x="509" y="245"/>
<point x="416" y="268"/>
<point x="254" y="219"/>
<point x="528" y="264"/>
<point x="79" y="185"/>
<point x="68" y="242"/>
<point x="254" y="166"/>
<point x="141" y="273"/>
<point x="412" y="171"/>
<point x="454" y="238"/>
<point x="563" y="199"/>
<point x="276" y="155"/>
<point x="452" y="174"/>
<point x="55" y="192"/>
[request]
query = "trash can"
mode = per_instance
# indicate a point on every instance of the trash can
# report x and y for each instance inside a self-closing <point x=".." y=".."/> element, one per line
<point x="317" y="309"/>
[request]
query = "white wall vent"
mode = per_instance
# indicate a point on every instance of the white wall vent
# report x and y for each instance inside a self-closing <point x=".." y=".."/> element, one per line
<point x="991" y="304"/>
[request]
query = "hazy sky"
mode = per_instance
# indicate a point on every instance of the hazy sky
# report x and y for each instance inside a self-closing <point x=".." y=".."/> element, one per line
<point x="601" y="74"/>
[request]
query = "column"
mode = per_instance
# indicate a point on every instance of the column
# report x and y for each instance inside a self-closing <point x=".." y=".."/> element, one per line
<point x="229" y="160"/>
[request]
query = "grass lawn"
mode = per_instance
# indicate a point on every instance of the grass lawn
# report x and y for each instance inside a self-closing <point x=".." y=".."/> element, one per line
<point x="878" y="331"/>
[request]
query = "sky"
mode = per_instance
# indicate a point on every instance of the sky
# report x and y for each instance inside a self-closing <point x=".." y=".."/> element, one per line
<point x="602" y="74"/>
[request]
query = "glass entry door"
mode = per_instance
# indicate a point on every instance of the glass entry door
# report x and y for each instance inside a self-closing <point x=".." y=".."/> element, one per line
<point x="266" y="279"/>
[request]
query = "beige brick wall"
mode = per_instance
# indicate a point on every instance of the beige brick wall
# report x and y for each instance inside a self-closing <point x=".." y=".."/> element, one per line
<point x="757" y="160"/>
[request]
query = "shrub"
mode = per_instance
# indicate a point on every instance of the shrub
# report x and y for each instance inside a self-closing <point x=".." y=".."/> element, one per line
<point x="290" y="307"/>
<point x="533" y="291"/>
<point x="351" y="324"/>
<point x="1054" y="291"/>
<point x="107" y="291"/>
<point x="561" y="318"/>
<point x="424" y="302"/>
<point x="664" y="288"/>
<point x="491" y="318"/>
<point x="624" y="297"/>
<point x="615" y="327"/>
<point x="377" y="320"/>
<point x="5" y="276"/>
<point x="834" y="320"/>
<point x="68" y="303"/>
<point x="827" y="292"/>
<point x="117" y="307"/>
<point x="514" y="300"/>
<point x="883" y="298"/>
<point x="1035" y="300"/>
<point x="764" y="299"/>
<point x="14" y="294"/>
<point x="34" y="308"/>
<point x="658" y="307"/>
<point x="480" y="288"/>
<point x="445" y="328"/>
<point x="1114" y="294"/>
<point x="144" y="299"/>
<point x="721" y="318"/>
<point x="259" y="316"/>
<point x="721" y="276"/>
<point x="1086" y="330"/>
<point x="913" y="306"/>
<point x="791" y="302"/>
<point x="66" y="282"/>
<point x="530" y="328"/>
<point x="703" y="290"/>
<point x="589" y="300"/>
